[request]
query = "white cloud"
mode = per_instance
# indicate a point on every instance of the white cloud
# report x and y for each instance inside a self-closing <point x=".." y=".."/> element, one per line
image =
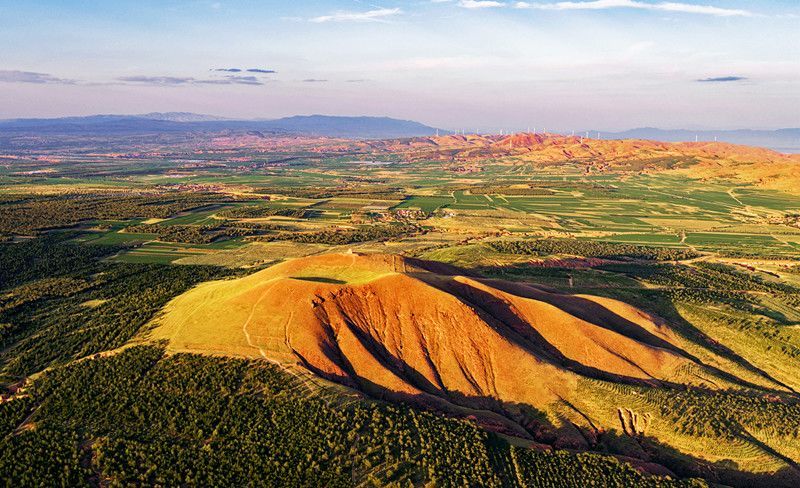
<point x="635" y="4"/>
<point x="480" y="4"/>
<point x="376" y="15"/>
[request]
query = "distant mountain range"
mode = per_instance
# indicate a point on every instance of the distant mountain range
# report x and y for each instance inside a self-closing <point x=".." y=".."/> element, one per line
<point x="176" y="122"/>
<point x="782" y="140"/>
<point x="180" y="117"/>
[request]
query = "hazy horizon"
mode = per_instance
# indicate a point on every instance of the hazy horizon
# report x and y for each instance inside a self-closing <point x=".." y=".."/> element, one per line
<point x="460" y="64"/>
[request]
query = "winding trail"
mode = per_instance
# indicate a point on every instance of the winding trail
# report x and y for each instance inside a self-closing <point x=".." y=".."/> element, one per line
<point x="302" y="375"/>
<point x="733" y="195"/>
<point x="250" y="317"/>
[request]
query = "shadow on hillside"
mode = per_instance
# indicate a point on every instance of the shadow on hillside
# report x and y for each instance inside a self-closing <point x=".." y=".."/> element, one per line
<point x="319" y="279"/>
<point x="506" y="321"/>
<point x="638" y="449"/>
<point x="525" y="422"/>
<point x="651" y="301"/>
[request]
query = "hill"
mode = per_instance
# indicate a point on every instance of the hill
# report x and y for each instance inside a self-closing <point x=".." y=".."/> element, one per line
<point x="782" y="140"/>
<point x="550" y="367"/>
<point x="745" y="164"/>
<point x="552" y="148"/>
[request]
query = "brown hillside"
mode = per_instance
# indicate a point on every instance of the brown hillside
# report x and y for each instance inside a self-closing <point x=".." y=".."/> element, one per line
<point x="411" y="330"/>
<point x="748" y="164"/>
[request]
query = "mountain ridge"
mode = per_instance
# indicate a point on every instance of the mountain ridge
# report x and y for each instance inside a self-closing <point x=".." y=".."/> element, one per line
<point x="365" y="127"/>
<point x="373" y="127"/>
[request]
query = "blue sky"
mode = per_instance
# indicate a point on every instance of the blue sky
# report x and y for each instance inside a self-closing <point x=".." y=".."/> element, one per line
<point x="472" y="64"/>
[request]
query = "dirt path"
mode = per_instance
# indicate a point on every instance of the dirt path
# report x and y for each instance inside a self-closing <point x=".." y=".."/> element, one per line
<point x="733" y="195"/>
<point x="285" y="367"/>
<point x="250" y="318"/>
<point x="782" y="241"/>
<point x="747" y="208"/>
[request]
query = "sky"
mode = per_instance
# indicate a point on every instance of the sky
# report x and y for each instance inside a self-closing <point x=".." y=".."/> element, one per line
<point x="480" y="65"/>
